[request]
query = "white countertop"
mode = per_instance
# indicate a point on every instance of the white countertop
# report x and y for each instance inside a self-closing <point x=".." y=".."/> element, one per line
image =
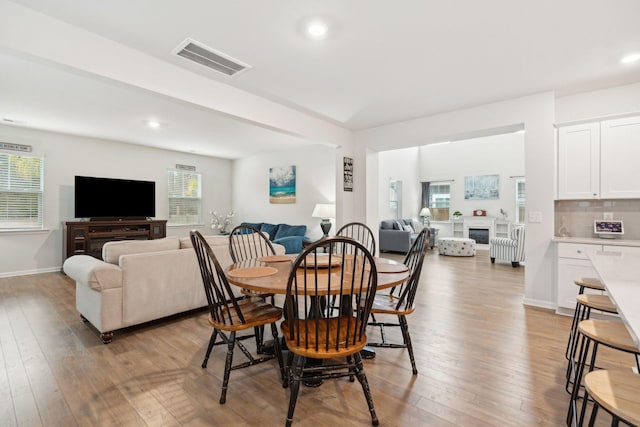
<point x="596" y="241"/>
<point x="620" y="273"/>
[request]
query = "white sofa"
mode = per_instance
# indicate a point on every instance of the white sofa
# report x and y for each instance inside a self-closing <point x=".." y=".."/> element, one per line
<point x="140" y="281"/>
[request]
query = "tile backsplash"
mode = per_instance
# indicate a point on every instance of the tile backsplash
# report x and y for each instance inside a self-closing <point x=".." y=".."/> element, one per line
<point x="578" y="215"/>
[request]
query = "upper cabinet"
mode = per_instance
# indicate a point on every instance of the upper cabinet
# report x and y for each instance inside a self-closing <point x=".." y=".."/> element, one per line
<point x="599" y="160"/>
<point x="579" y="161"/>
<point x="619" y="155"/>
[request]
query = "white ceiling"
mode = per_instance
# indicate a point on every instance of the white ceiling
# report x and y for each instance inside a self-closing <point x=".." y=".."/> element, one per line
<point x="384" y="62"/>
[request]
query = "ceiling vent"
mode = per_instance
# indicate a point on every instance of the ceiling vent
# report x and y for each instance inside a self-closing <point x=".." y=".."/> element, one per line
<point x="211" y="58"/>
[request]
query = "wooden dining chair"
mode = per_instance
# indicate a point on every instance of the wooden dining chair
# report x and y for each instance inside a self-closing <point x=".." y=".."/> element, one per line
<point x="310" y="330"/>
<point x="361" y="233"/>
<point x="247" y="242"/>
<point x="399" y="300"/>
<point x="229" y="315"/>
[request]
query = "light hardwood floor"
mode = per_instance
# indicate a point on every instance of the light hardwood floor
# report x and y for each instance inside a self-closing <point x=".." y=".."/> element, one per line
<point x="484" y="359"/>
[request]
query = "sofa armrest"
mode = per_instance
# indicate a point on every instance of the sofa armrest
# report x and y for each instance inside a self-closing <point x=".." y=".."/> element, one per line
<point x="92" y="272"/>
<point x="394" y="240"/>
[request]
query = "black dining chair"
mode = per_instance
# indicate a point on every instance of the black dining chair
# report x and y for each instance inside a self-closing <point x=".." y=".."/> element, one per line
<point x="361" y="233"/>
<point x="229" y="315"/>
<point x="399" y="301"/>
<point x="333" y="266"/>
<point x="247" y="242"/>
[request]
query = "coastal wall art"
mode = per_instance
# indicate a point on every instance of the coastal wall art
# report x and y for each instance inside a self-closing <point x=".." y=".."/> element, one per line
<point x="482" y="187"/>
<point x="282" y="184"/>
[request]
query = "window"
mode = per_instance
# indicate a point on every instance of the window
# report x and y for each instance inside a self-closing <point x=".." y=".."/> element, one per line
<point x="438" y="196"/>
<point x="185" y="197"/>
<point x="20" y="191"/>
<point x="520" y="200"/>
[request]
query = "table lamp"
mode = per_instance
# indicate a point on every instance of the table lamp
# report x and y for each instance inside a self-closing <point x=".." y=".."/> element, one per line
<point x="324" y="211"/>
<point x="425" y="213"/>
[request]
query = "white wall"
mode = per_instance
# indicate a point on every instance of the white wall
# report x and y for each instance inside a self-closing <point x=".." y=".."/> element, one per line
<point x="399" y="165"/>
<point x="315" y="183"/>
<point x="501" y="155"/>
<point x="66" y="156"/>
<point x="537" y="114"/>
<point x="599" y="104"/>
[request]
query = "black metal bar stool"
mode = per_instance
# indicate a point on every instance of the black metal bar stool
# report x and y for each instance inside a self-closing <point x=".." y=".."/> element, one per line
<point x="609" y="333"/>
<point x="617" y="393"/>
<point x="584" y="304"/>
<point x="582" y="283"/>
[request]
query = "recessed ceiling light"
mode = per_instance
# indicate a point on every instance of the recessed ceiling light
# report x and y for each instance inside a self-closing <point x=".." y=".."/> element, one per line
<point x="628" y="59"/>
<point x="317" y="29"/>
<point x="153" y="124"/>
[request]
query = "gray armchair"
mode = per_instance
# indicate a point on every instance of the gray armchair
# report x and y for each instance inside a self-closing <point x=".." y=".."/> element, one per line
<point x="398" y="235"/>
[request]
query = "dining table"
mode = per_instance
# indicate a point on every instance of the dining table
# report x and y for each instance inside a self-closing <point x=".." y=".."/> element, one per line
<point x="270" y="274"/>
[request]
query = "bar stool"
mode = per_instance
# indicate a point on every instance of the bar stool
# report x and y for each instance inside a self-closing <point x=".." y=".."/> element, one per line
<point x="583" y="283"/>
<point x="617" y="393"/>
<point x="608" y="333"/>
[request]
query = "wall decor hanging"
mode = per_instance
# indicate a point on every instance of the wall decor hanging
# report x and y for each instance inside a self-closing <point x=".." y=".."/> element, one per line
<point x="282" y="184"/>
<point x="482" y="187"/>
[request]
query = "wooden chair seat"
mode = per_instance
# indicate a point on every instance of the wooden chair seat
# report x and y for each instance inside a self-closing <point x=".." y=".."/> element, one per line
<point x="597" y="302"/>
<point x="610" y="333"/>
<point x="590" y="283"/>
<point x="616" y="392"/>
<point x="313" y="343"/>
<point x="388" y="304"/>
<point x="256" y="312"/>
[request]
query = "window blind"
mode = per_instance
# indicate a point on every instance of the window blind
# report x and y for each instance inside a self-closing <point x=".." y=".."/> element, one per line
<point x="21" y="187"/>
<point x="185" y="197"/>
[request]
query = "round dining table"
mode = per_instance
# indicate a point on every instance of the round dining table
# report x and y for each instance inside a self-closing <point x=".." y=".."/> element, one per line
<point x="270" y="274"/>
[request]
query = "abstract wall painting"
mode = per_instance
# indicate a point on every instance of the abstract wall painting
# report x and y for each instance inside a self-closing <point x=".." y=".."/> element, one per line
<point x="482" y="187"/>
<point x="282" y="184"/>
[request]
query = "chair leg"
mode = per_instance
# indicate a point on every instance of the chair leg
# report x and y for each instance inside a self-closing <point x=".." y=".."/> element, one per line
<point x="404" y="327"/>
<point x="212" y="342"/>
<point x="493" y="260"/>
<point x="259" y="333"/>
<point x="227" y="366"/>
<point x="362" y="378"/>
<point x="278" y="351"/>
<point x="515" y="264"/>
<point x="297" y="367"/>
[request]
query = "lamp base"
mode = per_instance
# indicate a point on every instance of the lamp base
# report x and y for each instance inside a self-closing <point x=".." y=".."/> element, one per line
<point x="325" y="225"/>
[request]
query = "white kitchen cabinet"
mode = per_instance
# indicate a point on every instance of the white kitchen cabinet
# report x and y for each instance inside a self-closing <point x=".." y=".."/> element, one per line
<point x="599" y="160"/>
<point x="579" y="161"/>
<point x="573" y="262"/>
<point x="619" y="154"/>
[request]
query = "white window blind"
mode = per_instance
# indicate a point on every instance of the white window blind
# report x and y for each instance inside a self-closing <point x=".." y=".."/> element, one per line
<point x="21" y="185"/>
<point x="185" y="197"/>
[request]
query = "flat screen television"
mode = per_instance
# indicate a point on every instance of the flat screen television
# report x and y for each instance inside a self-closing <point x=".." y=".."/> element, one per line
<point x="110" y="198"/>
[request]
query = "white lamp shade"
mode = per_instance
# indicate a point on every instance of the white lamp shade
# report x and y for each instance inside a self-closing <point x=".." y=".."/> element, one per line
<point x="324" y="210"/>
<point x="425" y="212"/>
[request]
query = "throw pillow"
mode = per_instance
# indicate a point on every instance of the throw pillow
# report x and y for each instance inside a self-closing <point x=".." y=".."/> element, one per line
<point x="417" y="225"/>
<point x="270" y="229"/>
<point x="408" y="228"/>
<point x="398" y="225"/>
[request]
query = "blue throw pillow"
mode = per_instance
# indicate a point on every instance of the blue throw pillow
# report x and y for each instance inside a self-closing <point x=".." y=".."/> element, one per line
<point x="285" y="230"/>
<point x="270" y="229"/>
<point x="253" y="224"/>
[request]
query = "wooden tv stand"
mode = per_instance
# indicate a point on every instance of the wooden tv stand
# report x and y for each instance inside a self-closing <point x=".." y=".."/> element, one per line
<point x="88" y="237"/>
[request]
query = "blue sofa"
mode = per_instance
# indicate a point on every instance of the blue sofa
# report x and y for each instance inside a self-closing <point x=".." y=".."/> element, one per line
<point x="289" y="236"/>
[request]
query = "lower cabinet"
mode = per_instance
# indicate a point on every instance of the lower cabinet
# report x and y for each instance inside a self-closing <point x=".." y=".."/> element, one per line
<point x="573" y="262"/>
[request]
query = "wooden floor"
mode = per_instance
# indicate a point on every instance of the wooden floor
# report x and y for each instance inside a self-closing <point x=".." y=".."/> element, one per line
<point x="484" y="359"/>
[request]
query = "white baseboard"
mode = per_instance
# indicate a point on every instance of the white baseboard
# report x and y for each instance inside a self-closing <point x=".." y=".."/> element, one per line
<point x="539" y="303"/>
<point x="28" y="272"/>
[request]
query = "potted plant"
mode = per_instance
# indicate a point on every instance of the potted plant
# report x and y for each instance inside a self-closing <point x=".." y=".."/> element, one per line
<point x="457" y="214"/>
